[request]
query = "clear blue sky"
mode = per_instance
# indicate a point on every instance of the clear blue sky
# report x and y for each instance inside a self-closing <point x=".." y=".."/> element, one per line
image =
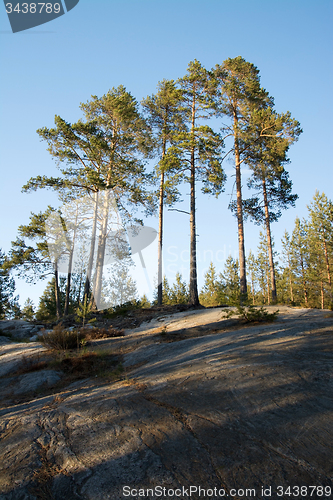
<point x="100" y="44"/>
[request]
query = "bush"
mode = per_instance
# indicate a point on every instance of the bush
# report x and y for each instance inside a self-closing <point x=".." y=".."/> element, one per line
<point x="144" y="302"/>
<point x="77" y="365"/>
<point x="62" y="339"/>
<point x="101" y="333"/>
<point x="252" y="315"/>
<point x="91" y="363"/>
<point x="122" y="309"/>
<point x="31" y="364"/>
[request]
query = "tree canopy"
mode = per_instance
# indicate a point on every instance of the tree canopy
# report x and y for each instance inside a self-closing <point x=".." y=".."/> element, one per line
<point x="103" y="160"/>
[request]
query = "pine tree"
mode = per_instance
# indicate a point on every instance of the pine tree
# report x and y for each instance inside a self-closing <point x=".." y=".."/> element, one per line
<point x="33" y="262"/>
<point x="266" y="157"/>
<point x="264" y="269"/>
<point x="103" y="152"/>
<point x="239" y="95"/>
<point x="287" y="259"/>
<point x="28" y="311"/>
<point x="197" y="152"/>
<point x="165" y="116"/>
<point x="144" y="302"/>
<point x="8" y="302"/>
<point x="252" y="268"/>
<point x="300" y="260"/>
<point x="321" y="228"/>
<point x="73" y="222"/>
<point x="283" y="285"/>
<point x="166" y="294"/>
<point x="212" y="293"/>
<point x="50" y="302"/>
<point x="316" y="272"/>
<point x="179" y="292"/>
<point x="120" y="287"/>
<point x="230" y="281"/>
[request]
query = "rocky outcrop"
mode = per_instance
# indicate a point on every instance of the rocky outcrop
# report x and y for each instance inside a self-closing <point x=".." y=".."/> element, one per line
<point x="12" y="354"/>
<point x="234" y="410"/>
<point x="19" y="329"/>
<point x="30" y="382"/>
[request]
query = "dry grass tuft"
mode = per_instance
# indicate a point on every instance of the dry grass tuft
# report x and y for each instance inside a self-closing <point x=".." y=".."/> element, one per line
<point x="62" y="339"/>
<point x="101" y="333"/>
<point x="31" y="364"/>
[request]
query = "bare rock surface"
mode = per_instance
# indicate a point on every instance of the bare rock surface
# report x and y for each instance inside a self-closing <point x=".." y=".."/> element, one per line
<point x="12" y="353"/>
<point x="204" y="402"/>
<point x="29" y="382"/>
<point x="19" y="329"/>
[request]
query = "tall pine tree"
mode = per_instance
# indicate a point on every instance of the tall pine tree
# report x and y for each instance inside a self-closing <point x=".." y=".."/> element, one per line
<point x="266" y="158"/>
<point x="238" y="95"/>
<point x="101" y="153"/>
<point x="321" y="226"/>
<point x="198" y="151"/>
<point x="165" y="116"/>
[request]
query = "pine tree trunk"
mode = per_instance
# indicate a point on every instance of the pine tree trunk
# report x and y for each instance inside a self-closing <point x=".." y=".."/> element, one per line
<point x="291" y="289"/>
<point x="101" y="251"/>
<point x="322" y="293"/>
<point x="68" y="288"/>
<point x="70" y="263"/>
<point x="69" y="276"/>
<point x="160" y="236"/>
<point x="263" y="285"/>
<point x="269" y="244"/>
<point x="328" y="270"/>
<point x="268" y="287"/>
<point x="252" y="290"/>
<point x="241" y="246"/>
<point x="57" y="290"/>
<point x="194" y="297"/>
<point x="304" y="283"/>
<point x="290" y="281"/>
<point x="79" y="292"/>
<point x="92" y="249"/>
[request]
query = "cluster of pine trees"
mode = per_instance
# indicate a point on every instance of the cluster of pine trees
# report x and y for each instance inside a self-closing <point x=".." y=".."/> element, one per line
<point x="306" y="276"/>
<point x="303" y="275"/>
<point x="102" y="161"/>
<point x="302" y="270"/>
<point x="9" y="305"/>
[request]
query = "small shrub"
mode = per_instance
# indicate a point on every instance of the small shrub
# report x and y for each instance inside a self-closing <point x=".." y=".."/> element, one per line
<point x="4" y="333"/>
<point x="31" y="364"/>
<point x="61" y="339"/>
<point x="122" y="309"/>
<point x="117" y="371"/>
<point x="163" y="331"/>
<point x="80" y="365"/>
<point x="101" y="333"/>
<point x="144" y="303"/>
<point x="84" y="310"/>
<point x="91" y="364"/>
<point x="252" y="315"/>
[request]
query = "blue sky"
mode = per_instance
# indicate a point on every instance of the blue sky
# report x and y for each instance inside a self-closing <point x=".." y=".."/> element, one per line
<point x="101" y="44"/>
